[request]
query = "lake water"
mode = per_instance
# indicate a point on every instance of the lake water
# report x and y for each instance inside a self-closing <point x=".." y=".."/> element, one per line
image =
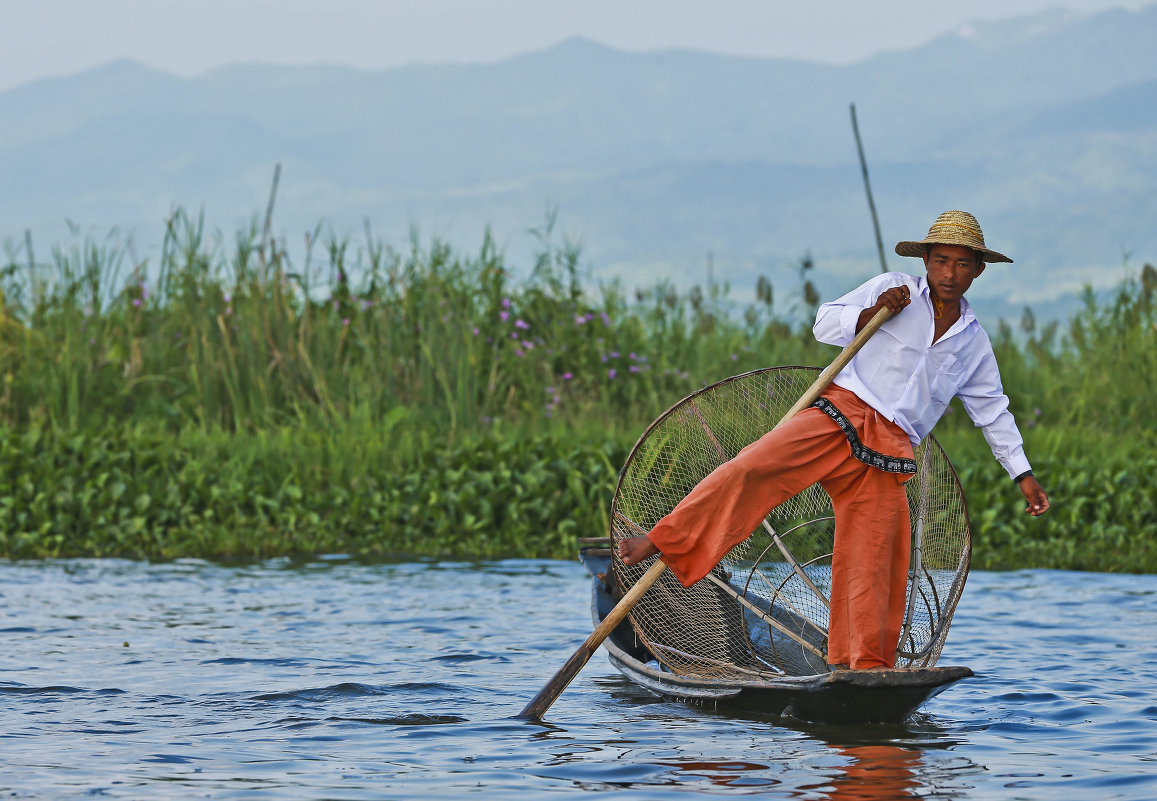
<point x="345" y="680"/>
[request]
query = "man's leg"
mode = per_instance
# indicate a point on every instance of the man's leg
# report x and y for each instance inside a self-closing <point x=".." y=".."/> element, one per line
<point x="869" y="567"/>
<point x="726" y="506"/>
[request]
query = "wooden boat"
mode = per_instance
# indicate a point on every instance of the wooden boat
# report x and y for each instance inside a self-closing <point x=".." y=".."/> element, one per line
<point x="841" y="696"/>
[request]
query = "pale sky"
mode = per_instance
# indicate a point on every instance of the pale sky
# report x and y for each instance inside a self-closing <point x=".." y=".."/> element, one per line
<point x="43" y="38"/>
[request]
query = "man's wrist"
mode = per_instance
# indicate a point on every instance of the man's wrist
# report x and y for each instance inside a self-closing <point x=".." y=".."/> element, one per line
<point x="1022" y="476"/>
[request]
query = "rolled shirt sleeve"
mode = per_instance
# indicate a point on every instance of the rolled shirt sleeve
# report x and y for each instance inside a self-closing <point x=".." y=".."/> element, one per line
<point x="836" y="321"/>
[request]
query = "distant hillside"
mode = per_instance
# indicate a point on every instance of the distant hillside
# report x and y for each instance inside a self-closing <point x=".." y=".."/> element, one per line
<point x="1045" y="127"/>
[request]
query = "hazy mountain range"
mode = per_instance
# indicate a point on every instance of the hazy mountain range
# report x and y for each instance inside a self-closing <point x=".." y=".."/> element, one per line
<point x="1045" y="127"/>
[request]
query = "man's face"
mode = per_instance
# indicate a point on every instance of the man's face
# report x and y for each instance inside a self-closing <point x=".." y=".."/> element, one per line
<point x="951" y="270"/>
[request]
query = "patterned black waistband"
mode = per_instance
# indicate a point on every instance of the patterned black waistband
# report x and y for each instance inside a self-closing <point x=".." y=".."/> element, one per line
<point x="889" y="464"/>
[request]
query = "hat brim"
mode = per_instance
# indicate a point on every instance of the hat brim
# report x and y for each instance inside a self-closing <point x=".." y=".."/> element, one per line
<point x="918" y="249"/>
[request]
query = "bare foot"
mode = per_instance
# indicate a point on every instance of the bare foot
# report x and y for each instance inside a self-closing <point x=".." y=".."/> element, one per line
<point x="635" y="549"/>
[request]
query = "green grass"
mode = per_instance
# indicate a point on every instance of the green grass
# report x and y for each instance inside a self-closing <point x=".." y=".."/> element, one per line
<point x="226" y="402"/>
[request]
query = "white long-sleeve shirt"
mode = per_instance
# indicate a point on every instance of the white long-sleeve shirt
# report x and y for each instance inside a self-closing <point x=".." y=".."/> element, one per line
<point x="910" y="379"/>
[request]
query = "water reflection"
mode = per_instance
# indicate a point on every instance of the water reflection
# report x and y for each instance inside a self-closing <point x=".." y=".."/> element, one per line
<point x="872" y="773"/>
<point x="876" y="773"/>
<point x="722" y="774"/>
<point x="911" y="760"/>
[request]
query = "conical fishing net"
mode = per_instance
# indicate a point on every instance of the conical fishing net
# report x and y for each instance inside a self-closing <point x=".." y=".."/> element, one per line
<point x="764" y="610"/>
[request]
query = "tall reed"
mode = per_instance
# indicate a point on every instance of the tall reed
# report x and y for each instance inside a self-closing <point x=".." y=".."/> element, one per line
<point x="243" y="338"/>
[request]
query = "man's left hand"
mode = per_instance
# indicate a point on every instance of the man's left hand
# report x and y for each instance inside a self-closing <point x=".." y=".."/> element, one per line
<point x="1038" y="501"/>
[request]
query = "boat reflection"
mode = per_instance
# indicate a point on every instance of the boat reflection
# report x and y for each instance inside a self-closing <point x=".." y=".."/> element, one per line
<point x="724" y="774"/>
<point x="879" y="772"/>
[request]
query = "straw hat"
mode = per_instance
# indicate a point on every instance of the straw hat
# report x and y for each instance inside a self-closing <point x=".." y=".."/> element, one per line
<point x="953" y="228"/>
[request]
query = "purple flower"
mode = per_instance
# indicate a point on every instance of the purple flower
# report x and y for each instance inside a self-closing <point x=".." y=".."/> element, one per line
<point x="521" y="324"/>
<point x="527" y="344"/>
<point x="580" y="320"/>
<point x="614" y="354"/>
<point x="611" y="374"/>
<point x="504" y="315"/>
<point x="228" y="298"/>
<point x="634" y="368"/>
<point x="567" y="376"/>
<point x="345" y="321"/>
<point x="734" y="357"/>
<point x="475" y="330"/>
<point x="136" y="301"/>
<point x="606" y="320"/>
<point x="505" y="304"/>
<point x="518" y="352"/>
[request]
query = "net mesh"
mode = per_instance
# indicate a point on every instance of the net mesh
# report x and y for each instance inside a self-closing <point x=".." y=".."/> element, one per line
<point x="763" y="610"/>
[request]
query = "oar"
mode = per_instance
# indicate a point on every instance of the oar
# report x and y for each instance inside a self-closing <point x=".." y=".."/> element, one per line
<point x="553" y="689"/>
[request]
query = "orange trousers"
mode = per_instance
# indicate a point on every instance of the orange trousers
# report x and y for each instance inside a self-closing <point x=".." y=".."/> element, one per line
<point x="873" y="532"/>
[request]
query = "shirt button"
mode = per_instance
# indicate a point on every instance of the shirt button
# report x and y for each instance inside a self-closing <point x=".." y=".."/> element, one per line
<point x="911" y="383"/>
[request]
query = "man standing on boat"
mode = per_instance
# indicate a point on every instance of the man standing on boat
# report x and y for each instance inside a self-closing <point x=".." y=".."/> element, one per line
<point x="856" y="441"/>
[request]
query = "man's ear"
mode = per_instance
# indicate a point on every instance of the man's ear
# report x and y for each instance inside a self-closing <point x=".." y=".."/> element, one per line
<point x="979" y="269"/>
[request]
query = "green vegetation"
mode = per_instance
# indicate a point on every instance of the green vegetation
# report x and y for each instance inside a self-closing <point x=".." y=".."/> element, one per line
<point x="229" y="403"/>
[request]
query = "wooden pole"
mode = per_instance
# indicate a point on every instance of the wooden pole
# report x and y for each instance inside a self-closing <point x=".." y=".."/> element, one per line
<point x="266" y="233"/>
<point x="868" y="189"/>
<point x="553" y="688"/>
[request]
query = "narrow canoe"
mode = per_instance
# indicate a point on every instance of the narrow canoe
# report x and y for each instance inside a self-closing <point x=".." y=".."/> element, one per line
<point x="841" y="696"/>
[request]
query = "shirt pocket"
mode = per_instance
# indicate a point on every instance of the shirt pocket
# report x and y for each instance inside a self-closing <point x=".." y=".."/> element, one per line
<point x="947" y="378"/>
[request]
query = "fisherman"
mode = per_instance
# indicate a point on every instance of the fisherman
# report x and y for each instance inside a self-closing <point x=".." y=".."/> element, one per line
<point x="857" y="442"/>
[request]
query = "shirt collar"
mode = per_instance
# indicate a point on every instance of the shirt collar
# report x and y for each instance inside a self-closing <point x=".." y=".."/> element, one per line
<point x="967" y="316"/>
